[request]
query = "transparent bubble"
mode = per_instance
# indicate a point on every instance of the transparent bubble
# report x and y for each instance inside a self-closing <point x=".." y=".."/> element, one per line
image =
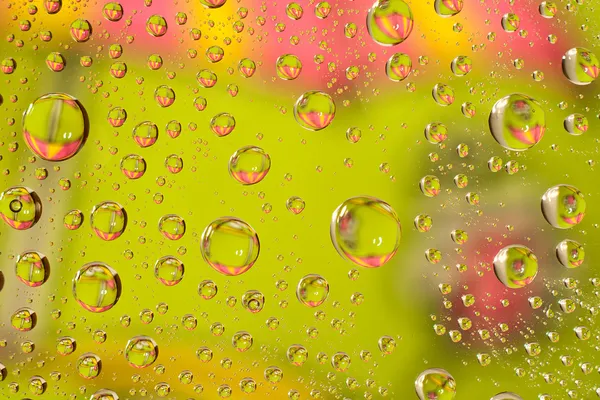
<point x="273" y="374"/>
<point x="65" y="346"/>
<point x="24" y="319"/>
<point x="80" y="30"/>
<point x="54" y="126"/>
<point x="288" y="67"/>
<point x="295" y="205"/>
<point x="117" y="117"/>
<point x="20" y="207"/>
<point x="570" y="253"/>
<point x="314" y="110"/>
<point x="459" y="236"/>
<point x="353" y="135"/>
<point x="242" y="341"/>
<point x="104" y="394"/>
<point x="423" y="223"/>
<point x="389" y="22"/>
<point x="468" y="109"/>
<point x="118" y="69"/>
<point x="461" y="65"/>
<point x="8" y="65"/>
<point x="32" y="268"/>
<point x="112" y="11"/>
<point x="96" y="287"/>
<point x="515" y="266"/>
<point x="212" y="3"/>
<point x="222" y="124"/>
<point x="230" y="246"/>
<point x="133" y="166"/>
<point x="208" y="289"/>
<point x="580" y="66"/>
<point x="366" y="231"/>
<point x="297" y="354"/>
<point x="548" y="9"/>
<point x="253" y="301"/>
<point x="312" y="290"/>
<point x="171" y="226"/>
<point x="398" y="67"/>
<point x="37" y="385"/>
<point x="563" y="206"/>
<point x="461" y="181"/>
<point x="430" y="185"/>
<point x="200" y="103"/>
<point x="495" y="164"/>
<point x="350" y="30"/>
<point x="141" y="351"/>
<point x="156" y="25"/>
<point x="249" y="165"/>
<point x="340" y="361"/>
<point x="435" y="383"/>
<point x="448" y="8"/>
<point x="322" y="9"/>
<point x="517" y="122"/>
<point x="169" y="270"/>
<point x="294" y="11"/>
<point x="89" y="366"/>
<point x="224" y="391"/>
<point x="164" y="96"/>
<point x="206" y="78"/>
<point x="247" y="67"/>
<point x="214" y="54"/>
<point x="510" y="22"/>
<point x="145" y="134"/>
<point x="204" y="354"/>
<point x="173" y="129"/>
<point x="443" y="94"/>
<point x="154" y="62"/>
<point x="506" y="396"/>
<point x="52" y="6"/>
<point x="248" y="385"/>
<point x="108" y="220"/>
<point x="55" y="61"/>
<point x="576" y="124"/>
<point x="436" y="132"/>
<point x="386" y="344"/>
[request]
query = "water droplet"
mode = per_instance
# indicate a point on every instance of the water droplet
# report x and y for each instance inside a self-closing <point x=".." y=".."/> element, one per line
<point x="54" y="126"/>
<point x="570" y="253"/>
<point x="515" y="266"/>
<point x="32" y="268"/>
<point x="96" y="287"/>
<point x="517" y="122"/>
<point x="169" y="270"/>
<point x="141" y="351"/>
<point x="20" y="207"/>
<point x="230" y="246"/>
<point x="366" y="231"/>
<point x="580" y="66"/>
<point x="312" y="290"/>
<point x="108" y="220"/>
<point x="314" y="110"/>
<point x="389" y="22"/>
<point x="563" y="206"/>
<point x="435" y="383"/>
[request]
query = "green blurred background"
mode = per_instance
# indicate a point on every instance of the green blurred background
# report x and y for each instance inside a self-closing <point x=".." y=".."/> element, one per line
<point x="402" y="299"/>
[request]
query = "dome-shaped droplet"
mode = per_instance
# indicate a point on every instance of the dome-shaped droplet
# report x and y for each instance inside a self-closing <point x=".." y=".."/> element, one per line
<point x="366" y="231"/>
<point x="230" y="245"/>
<point x="563" y="206"/>
<point x="96" y="287"/>
<point x="54" y="126"/>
